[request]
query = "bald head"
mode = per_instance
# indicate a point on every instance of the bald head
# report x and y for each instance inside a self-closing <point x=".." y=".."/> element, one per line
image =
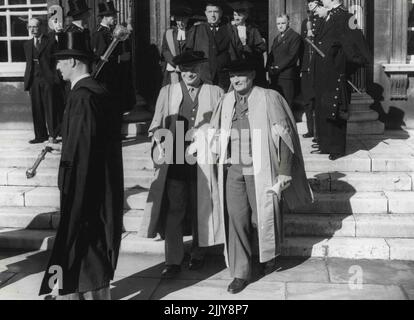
<point x="34" y="26"/>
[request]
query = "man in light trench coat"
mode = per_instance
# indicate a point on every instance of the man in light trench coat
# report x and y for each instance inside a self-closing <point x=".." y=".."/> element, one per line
<point x="259" y="152"/>
<point x="184" y="189"/>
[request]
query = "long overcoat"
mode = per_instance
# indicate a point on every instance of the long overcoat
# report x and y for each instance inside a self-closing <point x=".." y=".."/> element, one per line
<point x="210" y="229"/>
<point x="271" y="121"/>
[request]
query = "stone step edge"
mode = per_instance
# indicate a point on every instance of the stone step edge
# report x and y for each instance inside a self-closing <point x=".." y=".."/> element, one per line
<point x="315" y="247"/>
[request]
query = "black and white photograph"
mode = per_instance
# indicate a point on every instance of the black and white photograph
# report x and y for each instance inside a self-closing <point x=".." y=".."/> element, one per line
<point x="206" y="154"/>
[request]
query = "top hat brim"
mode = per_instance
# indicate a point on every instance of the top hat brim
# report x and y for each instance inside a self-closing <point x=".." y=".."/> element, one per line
<point x="78" y="12"/>
<point x="190" y="63"/>
<point x="107" y="13"/>
<point x="239" y="66"/>
<point x="73" y="54"/>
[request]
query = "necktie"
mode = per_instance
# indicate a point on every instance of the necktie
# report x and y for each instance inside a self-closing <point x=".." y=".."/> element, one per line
<point x="37" y="43"/>
<point x="192" y="92"/>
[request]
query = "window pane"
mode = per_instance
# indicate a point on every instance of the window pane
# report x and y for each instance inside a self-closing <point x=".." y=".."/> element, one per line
<point x="17" y="51"/>
<point x="3" y="51"/>
<point x="3" y="26"/>
<point x="19" y="26"/>
<point x="14" y="2"/>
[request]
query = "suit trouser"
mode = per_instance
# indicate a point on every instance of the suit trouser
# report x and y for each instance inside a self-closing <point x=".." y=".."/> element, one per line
<point x="101" y="294"/>
<point x="242" y="210"/>
<point x="286" y="87"/>
<point x="182" y="196"/>
<point x="46" y="113"/>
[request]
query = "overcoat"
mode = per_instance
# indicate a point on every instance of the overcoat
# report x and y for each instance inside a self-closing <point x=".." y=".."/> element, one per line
<point x="271" y="121"/>
<point x="91" y="194"/>
<point x="210" y="228"/>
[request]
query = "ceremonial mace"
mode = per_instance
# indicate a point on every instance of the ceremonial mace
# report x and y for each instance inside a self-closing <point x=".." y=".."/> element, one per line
<point x="31" y="173"/>
<point x="120" y="34"/>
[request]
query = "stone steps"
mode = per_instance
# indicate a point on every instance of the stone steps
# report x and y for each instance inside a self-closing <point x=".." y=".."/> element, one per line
<point x="316" y="247"/>
<point x="325" y="203"/>
<point x="320" y="182"/>
<point x="295" y="225"/>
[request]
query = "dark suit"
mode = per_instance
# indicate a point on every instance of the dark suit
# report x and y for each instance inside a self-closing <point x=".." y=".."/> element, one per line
<point x="43" y="83"/>
<point x="285" y="55"/>
<point x="168" y="54"/>
<point x="255" y="48"/>
<point x="219" y="48"/>
<point x="344" y="48"/>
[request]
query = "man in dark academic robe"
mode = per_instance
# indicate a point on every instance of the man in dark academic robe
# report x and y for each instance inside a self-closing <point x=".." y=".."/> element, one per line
<point x="42" y="81"/>
<point x="184" y="187"/>
<point x="260" y="164"/>
<point x="344" y="50"/>
<point x="309" y="29"/>
<point x="250" y="42"/>
<point x="174" y="44"/>
<point x="283" y="60"/>
<point x="85" y="252"/>
<point x="214" y="38"/>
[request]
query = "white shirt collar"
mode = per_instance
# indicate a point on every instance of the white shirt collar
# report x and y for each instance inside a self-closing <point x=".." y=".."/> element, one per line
<point x="78" y="23"/>
<point x="181" y="35"/>
<point x="74" y="82"/>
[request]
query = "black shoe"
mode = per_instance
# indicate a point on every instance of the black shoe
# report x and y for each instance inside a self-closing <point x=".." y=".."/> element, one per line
<point x="38" y="141"/>
<point x="315" y="140"/>
<point x="195" y="264"/>
<point x="308" y="135"/>
<point x="335" y="156"/>
<point x="237" y="286"/>
<point x="171" y="271"/>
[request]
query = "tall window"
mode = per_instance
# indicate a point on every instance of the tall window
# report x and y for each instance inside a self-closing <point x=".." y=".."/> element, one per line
<point x="14" y="15"/>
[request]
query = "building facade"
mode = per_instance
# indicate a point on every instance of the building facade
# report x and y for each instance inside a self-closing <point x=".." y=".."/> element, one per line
<point x="388" y="26"/>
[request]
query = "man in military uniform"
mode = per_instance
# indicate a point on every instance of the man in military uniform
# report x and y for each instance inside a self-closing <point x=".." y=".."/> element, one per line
<point x="214" y="38"/>
<point x="309" y="28"/>
<point x="343" y="48"/>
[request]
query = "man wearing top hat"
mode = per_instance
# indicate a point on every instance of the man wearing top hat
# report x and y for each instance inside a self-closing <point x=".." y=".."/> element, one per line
<point x="184" y="187"/>
<point x="250" y="42"/>
<point x="174" y="43"/>
<point x="85" y="252"/>
<point x="260" y="165"/>
<point x="214" y="38"/>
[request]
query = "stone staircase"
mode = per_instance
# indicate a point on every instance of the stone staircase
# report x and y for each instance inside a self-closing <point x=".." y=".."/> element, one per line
<point x="364" y="206"/>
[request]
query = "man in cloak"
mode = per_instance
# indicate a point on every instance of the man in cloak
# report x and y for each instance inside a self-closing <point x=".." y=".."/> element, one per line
<point x="260" y="165"/>
<point x="86" y="248"/>
<point x="184" y="188"/>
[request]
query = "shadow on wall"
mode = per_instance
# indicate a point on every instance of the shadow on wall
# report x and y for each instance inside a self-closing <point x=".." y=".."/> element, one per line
<point x="394" y="118"/>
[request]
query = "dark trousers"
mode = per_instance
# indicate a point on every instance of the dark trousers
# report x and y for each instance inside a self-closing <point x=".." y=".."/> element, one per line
<point x="182" y="196"/>
<point x="286" y="87"/>
<point x="46" y="109"/>
<point x="309" y="101"/>
<point x="242" y="210"/>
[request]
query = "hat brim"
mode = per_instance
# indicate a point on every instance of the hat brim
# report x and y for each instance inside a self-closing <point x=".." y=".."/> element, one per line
<point x="243" y="68"/>
<point x="192" y="62"/>
<point x="107" y="13"/>
<point x="74" y="54"/>
<point x="77" y="13"/>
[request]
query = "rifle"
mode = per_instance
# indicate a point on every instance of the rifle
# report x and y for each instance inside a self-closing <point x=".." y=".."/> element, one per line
<point x="120" y="34"/>
<point x="31" y="173"/>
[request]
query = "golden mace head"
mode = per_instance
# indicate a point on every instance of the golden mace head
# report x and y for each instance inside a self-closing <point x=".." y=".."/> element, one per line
<point x="121" y="33"/>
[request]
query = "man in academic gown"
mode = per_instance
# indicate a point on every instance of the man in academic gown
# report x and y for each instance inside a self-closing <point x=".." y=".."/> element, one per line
<point x="260" y="164"/>
<point x="283" y="60"/>
<point x="214" y="38"/>
<point x="250" y="42"/>
<point x="184" y="186"/>
<point x="345" y="49"/>
<point x="174" y="43"/>
<point x="85" y="252"/>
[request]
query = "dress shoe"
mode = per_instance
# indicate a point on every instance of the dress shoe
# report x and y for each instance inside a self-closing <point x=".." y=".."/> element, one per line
<point x="308" y="135"/>
<point x="237" y="286"/>
<point x="335" y="156"/>
<point x="314" y="140"/>
<point x="38" y="141"/>
<point x="171" y="271"/>
<point x="195" y="264"/>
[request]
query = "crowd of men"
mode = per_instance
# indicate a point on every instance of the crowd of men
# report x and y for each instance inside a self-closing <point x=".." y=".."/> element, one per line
<point x="225" y="144"/>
